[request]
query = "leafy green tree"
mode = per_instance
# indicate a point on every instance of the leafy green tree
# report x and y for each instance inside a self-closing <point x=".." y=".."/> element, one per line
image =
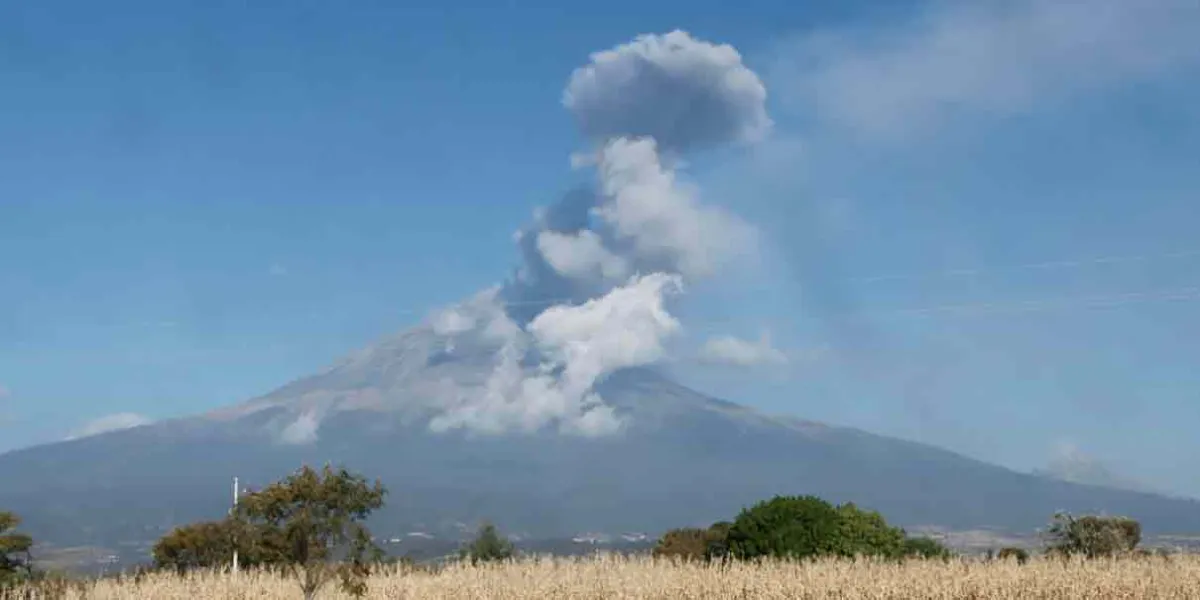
<point x="866" y="533"/>
<point x="785" y="527"/>
<point x="694" y="543"/>
<point x="807" y="526"/>
<point x="1092" y="535"/>
<point x="687" y="543"/>
<point x="210" y="545"/>
<point x="717" y="546"/>
<point x="16" y="563"/>
<point x="488" y="546"/>
<point x="204" y="545"/>
<point x="311" y="523"/>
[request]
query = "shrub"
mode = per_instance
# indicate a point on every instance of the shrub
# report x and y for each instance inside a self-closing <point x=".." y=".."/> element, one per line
<point x="694" y="543"/>
<point x="488" y="546"/>
<point x="807" y="526"/>
<point x="1021" y="554"/>
<point x="1092" y="536"/>
<point x="785" y="527"/>
<point x="688" y="543"/>
<point x="15" y="562"/>
<point x="866" y="533"/>
<point x="718" y="541"/>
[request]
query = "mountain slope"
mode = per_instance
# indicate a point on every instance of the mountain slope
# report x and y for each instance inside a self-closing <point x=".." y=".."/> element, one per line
<point x="683" y="458"/>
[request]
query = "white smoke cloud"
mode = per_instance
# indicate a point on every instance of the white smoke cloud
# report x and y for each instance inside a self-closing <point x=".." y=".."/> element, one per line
<point x="108" y="423"/>
<point x="624" y="328"/>
<point x="581" y="255"/>
<point x="577" y="346"/>
<point x="734" y="351"/>
<point x="662" y="221"/>
<point x="301" y="431"/>
<point x="590" y="295"/>
<point x="1068" y="462"/>
<point x="681" y="91"/>
<point x="984" y="57"/>
<point x="483" y="313"/>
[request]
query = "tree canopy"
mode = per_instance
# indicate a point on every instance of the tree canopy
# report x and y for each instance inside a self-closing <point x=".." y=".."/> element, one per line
<point x="1092" y="535"/>
<point x="488" y="546"/>
<point x="15" y="561"/>
<point x="313" y="520"/>
<point x="807" y="526"/>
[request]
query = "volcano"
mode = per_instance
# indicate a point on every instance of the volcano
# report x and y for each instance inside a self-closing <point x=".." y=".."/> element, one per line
<point x="539" y="405"/>
<point x="681" y="458"/>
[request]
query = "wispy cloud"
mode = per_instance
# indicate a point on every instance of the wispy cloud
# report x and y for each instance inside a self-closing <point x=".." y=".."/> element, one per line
<point x="738" y="352"/>
<point x="277" y="270"/>
<point x="108" y="423"/>
<point x="995" y="58"/>
<point x="301" y="431"/>
<point x="1069" y="462"/>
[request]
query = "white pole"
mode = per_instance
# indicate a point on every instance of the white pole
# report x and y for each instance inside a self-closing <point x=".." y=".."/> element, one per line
<point x="233" y="512"/>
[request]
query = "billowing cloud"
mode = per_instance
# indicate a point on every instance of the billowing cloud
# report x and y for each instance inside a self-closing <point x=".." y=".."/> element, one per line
<point x="738" y="352"/>
<point x="589" y="296"/>
<point x="683" y="92"/>
<point x="661" y="222"/>
<point x="537" y="280"/>
<point x="576" y="346"/>
<point x="624" y="328"/>
<point x="581" y="255"/>
<point x="484" y="314"/>
<point x="105" y="424"/>
<point x="990" y="57"/>
<point x="301" y="431"/>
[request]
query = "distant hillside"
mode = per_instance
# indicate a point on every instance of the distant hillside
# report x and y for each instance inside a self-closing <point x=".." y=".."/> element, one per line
<point x="684" y="459"/>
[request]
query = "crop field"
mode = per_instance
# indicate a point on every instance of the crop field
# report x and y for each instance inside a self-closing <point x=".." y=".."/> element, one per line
<point x="1177" y="577"/>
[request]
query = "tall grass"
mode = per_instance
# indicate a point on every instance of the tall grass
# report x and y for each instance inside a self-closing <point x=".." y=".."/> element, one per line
<point x="644" y="578"/>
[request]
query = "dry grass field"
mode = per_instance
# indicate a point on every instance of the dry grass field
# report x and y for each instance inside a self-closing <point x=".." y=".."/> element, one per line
<point x="604" y="578"/>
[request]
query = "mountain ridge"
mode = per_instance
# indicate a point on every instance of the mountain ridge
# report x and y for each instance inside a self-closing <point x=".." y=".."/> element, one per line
<point x="682" y="458"/>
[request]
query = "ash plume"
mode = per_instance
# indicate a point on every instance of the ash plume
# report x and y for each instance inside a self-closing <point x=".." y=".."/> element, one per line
<point x="599" y="267"/>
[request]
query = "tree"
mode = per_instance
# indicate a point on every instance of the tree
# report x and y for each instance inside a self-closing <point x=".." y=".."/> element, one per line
<point x="807" y="526"/>
<point x="1092" y="535"/>
<point x="210" y="545"/>
<point x="312" y="524"/>
<point x="717" y="547"/>
<point x="197" y="546"/>
<point x="688" y="543"/>
<point x="785" y="527"/>
<point x="488" y="546"/>
<point x="16" y="564"/>
<point x="866" y="533"/>
<point x="694" y="543"/>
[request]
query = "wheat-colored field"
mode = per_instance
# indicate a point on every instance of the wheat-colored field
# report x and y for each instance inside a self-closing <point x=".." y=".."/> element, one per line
<point x="617" y="578"/>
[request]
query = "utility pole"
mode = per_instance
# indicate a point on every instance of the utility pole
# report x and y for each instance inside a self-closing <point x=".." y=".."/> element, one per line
<point x="233" y="513"/>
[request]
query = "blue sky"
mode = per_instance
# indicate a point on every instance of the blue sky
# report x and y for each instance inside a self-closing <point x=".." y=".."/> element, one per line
<point x="200" y="204"/>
